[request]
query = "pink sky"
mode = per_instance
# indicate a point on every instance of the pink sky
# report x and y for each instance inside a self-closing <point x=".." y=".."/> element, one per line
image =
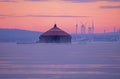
<point x="26" y="14"/>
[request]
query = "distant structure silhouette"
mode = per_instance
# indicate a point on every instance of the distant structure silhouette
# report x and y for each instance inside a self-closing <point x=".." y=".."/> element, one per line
<point x="55" y="35"/>
<point x="76" y="31"/>
<point x="83" y="28"/>
<point x="91" y="29"/>
<point x="92" y="26"/>
<point x="115" y="30"/>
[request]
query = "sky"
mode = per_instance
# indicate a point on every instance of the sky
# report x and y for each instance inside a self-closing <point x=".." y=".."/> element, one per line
<point x="41" y="15"/>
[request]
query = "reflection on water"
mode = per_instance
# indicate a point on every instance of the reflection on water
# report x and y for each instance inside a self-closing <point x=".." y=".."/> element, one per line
<point x="36" y="62"/>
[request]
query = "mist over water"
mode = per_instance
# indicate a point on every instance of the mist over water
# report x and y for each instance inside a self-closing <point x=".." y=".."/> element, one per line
<point x="60" y="61"/>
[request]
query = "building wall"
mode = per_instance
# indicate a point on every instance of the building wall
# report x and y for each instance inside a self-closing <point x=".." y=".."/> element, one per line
<point x="55" y="39"/>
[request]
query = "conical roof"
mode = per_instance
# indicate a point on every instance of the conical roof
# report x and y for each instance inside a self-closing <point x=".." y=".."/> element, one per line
<point x="55" y="31"/>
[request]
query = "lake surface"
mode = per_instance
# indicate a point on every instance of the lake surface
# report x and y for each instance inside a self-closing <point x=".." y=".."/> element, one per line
<point x="60" y="61"/>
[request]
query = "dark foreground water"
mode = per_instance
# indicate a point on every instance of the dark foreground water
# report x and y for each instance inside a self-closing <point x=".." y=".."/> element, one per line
<point x="60" y="61"/>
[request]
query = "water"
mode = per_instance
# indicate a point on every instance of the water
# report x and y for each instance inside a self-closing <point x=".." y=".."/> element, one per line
<point x="60" y="61"/>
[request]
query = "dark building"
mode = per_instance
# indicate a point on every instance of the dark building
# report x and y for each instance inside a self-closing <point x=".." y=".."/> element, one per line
<point x="55" y="35"/>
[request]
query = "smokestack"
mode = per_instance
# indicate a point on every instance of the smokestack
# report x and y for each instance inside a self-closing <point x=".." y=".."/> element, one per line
<point x="76" y="30"/>
<point x="92" y="26"/>
<point x="114" y="29"/>
<point x="104" y="31"/>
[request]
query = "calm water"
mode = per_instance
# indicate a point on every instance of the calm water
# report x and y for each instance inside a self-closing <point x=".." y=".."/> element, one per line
<point x="53" y="61"/>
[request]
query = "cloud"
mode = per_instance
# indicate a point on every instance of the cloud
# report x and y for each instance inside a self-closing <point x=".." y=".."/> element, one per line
<point x="109" y="7"/>
<point x="46" y="16"/>
<point x="81" y="0"/>
<point x="2" y="15"/>
<point x="35" y="0"/>
<point x="8" y="1"/>
<point x="112" y="0"/>
<point x="85" y="1"/>
<point x="24" y="0"/>
<point x="67" y="16"/>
